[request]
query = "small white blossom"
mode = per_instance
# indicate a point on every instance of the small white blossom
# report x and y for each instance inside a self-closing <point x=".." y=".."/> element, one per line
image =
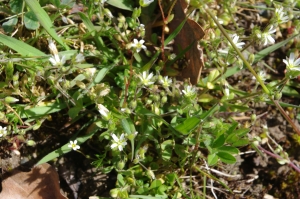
<point x="73" y="145"/>
<point x="266" y="37"/>
<point x="146" y="79"/>
<point x="138" y="45"/>
<point x="235" y="40"/>
<point x="56" y="61"/>
<point x="281" y="16"/>
<point x="165" y="81"/>
<point x="52" y="47"/>
<point x="3" y="131"/>
<point x="103" y="111"/>
<point x="292" y="65"/>
<point x="262" y="75"/>
<point x="118" y="142"/>
<point x="189" y="91"/>
<point x="141" y="27"/>
<point x="79" y="58"/>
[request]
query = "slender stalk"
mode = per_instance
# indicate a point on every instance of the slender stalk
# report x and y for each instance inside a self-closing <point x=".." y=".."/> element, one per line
<point x="266" y="90"/>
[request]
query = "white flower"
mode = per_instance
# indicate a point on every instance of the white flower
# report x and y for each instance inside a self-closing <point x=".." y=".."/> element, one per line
<point x="103" y="111"/>
<point x="73" y="145"/>
<point x="3" y="131"/>
<point x="266" y="37"/>
<point x="281" y="17"/>
<point x="52" y="47"/>
<point x="79" y="58"/>
<point x="146" y="79"/>
<point x="165" y="81"/>
<point x="56" y="61"/>
<point x="262" y="75"/>
<point x="138" y="45"/>
<point x="141" y="27"/>
<point x="118" y="142"/>
<point x="189" y="91"/>
<point x="291" y="63"/>
<point x="235" y="40"/>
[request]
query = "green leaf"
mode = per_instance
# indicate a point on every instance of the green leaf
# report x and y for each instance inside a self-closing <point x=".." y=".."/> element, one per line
<point x="219" y="141"/>
<point x="167" y="148"/>
<point x="16" y="6"/>
<point x="241" y="132"/>
<point x="171" y="177"/>
<point x="188" y="125"/>
<point x="228" y="149"/>
<point x="212" y="159"/>
<point x="180" y="151"/>
<point x="45" y="20"/>
<point x="211" y="111"/>
<point x="65" y="149"/>
<point x="42" y="110"/>
<point x="122" y="4"/>
<point x="175" y="33"/>
<point x="128" y="126"/>
<point x="155" y="184"/>
<point x="226" y="157"/>
<point x="241" y="142"/>
<point x="9" y="25"/>
<point x="20" y="47"/>
<point x="31" y="21"/>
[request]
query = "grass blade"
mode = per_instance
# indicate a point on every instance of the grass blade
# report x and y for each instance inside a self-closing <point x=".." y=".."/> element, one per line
<point x="45" y="21"/>
<point x="20" y="47"/>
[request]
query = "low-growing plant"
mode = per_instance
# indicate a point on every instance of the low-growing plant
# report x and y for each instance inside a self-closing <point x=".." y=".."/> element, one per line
<point x="153" y="128"/>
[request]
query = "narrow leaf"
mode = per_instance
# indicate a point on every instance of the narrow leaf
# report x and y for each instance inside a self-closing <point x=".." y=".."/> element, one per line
<point x="226" y="157"/>
<point x="20" y="47"/>
<point x="45" y="20"/>
<point x="188" y="125"/>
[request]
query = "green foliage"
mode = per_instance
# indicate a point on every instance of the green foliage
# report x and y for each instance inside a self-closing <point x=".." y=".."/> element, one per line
<point x="174" y="128"/>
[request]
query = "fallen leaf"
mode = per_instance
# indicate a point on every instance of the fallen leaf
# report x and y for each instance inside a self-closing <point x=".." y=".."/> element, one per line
<point x="191" y="33"/>
<point x="41" y="182"/>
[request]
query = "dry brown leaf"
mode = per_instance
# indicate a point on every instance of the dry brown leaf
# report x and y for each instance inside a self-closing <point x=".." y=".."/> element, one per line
<point x="40" y="183"/>
<point x="191" y="32"/>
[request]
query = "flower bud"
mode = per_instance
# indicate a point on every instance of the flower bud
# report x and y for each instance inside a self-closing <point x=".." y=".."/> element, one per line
<point x="136" y="13"/>
<point x="133" y="104"/>
<point x="251" y="58"/>
<point x="9" y="70"/>
<point x="253" y="118"/>
<point x="31" y="143"/>
<point x="108" y="13"/>
<point x="120" y="165"/>
<point x="150" y="174"/>
<point x="114" y="192"/>
<point x="277" y="95"/>
<point x="164" y="99"/>
<point x="10" y="100"/>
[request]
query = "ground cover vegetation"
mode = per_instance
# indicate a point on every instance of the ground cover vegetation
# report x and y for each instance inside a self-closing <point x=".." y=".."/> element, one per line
<point x="166" y="99"/>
